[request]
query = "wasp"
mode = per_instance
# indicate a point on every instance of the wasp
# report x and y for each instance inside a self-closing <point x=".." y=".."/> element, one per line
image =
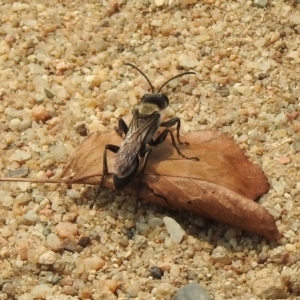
<point x="138" y="137"/>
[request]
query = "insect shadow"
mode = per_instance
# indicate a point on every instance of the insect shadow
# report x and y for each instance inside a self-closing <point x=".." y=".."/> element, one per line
<point x="138" y="138"/>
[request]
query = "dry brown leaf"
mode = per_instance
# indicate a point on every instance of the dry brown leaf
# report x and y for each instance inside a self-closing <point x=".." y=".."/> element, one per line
<point x="217" y="186"/>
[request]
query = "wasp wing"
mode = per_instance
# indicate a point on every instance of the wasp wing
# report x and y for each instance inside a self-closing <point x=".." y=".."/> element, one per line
<point x="140" y="132"/>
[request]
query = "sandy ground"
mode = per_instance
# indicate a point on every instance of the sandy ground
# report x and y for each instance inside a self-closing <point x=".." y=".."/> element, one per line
<point x="61" y="64"/>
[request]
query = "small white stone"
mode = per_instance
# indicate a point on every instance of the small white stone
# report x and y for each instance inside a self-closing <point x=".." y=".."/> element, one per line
<point x="159" y="2"/>
<point x="47" y="258"/>
<point x="14" y="124"/>
<point x="155" y="222"/>
<point x="187" y="61"/>
<point x="244" y="90"/>
<point x="24" y="124"/>
<point x="60" y="153"/>
<point x="20" y="155"/>
<point x="53" y="241"/>
<point x="260" y="3"/>
<point x="174" y="229"/>
<point x="5" y="199"/>
<point x="89" y="78"/>
<point x="73" y="194"/>
<point x="18" y="6"/>
<point x="31" y="216"/>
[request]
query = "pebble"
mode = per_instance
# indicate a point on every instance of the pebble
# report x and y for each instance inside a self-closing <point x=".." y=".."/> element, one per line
<point x="187" y="61"/>
<point x="112" y="285"/>
<point x="142" y="228"/>
<point x="156" y="272"/>
<point x="270" y="287"/>
<point x="66" y="229"/>
<point x="60" y="153"/>
<point x="73" y="194"/>
<point x="47" y="258"/>
<point x="221" y="255"/>
<point x="46" y="231"/>
<point x="93" y="263"/>
<point x="295" y="18"/>
<point x="164" y="290"/>
<point x="192" y="291"/>
<point x="5" y="199"/>
<point x="48" y="93"/>
<point x="294" y="282"/>
<point x="133" y="289"/>
<point x="54" y="242"/>
<point x="159" y="2"/>
<point x="260" y="3"/>
<point x="296" y="145"/>
<point x="140" y="242"/>
<point x="174" y="270"/>
<point x="154" y="222"/>
<point x="85" y="293"/>
<point x="24" y="124"/>
<point x="42" y="291"/>
<point x="279" y="255"/>
<point x="20" y="155"/>
<point x="84" y="241"/>
<point x="40" y="113"/>
<point x="26" y="296"/>
<point x="290" y="247"/>
<point x="69" y="290"/>
<point x="31" y="216"/>
<point x="18" y="6"/>
<point x="174" y="229"/>
<point x="71" y="244"/>
<point x="20" y="172"/>
<point x="244" y="90"/>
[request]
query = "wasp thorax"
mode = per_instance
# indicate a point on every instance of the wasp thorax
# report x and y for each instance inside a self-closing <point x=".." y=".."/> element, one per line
<point x="148" y="108"/>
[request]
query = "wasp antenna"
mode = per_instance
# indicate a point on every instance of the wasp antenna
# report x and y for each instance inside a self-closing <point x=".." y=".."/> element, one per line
<point x="133" y="66"/>
<point x="179" y="75"/>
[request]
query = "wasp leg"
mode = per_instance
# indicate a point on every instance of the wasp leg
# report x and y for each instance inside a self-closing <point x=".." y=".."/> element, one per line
<point x="163" y="136"/>
<point x="114" y="149"/>
<point x="175" y="121"/>
<point x="122" y="128"/>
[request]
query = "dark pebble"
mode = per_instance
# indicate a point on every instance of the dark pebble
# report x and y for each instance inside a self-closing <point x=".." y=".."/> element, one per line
<point x="223" y="91"/>
<point x="20" y="172"/>
<point x="84" y="241"/>
<point x="128" y="232"/>
<point x="156" y="272"/>
<point x="262" y="76"/>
